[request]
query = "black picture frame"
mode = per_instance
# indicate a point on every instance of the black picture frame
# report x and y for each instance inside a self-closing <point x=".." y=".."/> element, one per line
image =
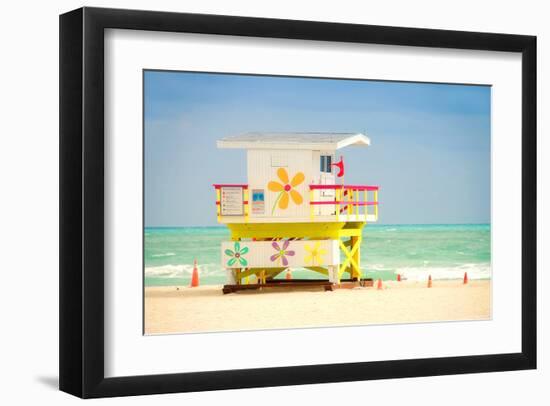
<point x="81" y="282"/>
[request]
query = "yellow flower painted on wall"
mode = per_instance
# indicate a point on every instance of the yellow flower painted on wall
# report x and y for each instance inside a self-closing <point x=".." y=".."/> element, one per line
<point x="286" y="189"/>
<point x="315" y="253"/>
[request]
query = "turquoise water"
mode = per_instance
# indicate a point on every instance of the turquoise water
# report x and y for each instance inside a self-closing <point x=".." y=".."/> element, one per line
<point x="414" y="251"/>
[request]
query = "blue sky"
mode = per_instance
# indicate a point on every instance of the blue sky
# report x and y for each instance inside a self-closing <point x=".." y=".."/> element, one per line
<point x="430" y="151"/>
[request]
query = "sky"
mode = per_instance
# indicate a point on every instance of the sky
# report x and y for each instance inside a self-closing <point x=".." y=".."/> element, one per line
<point x="429" y="153"/>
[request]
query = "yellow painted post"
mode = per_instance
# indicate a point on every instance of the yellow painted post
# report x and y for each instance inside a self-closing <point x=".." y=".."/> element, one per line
<point x="366" y="199"/>
<point x="346" y="263"/>
<point x="338" y="197"/>
<point x="247" y="205"/>
<point x="357" y="205"/>
<point x="350" y="199"/>
<point x="376" y="205"/>
<point x="238" y="276"/>
<point x="356" y="273"/>
<point x="311" y="206"/>
<point x="237" y="270"/>
<point x="352" y="270"/>
<point x="218" y="204"/>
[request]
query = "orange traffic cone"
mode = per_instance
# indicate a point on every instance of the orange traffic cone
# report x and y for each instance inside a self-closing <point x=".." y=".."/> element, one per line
<point x="288" y="275"/>
<point x="398" y="277"/>
<point x="195" y="277"/>
<point x="465" y="278"/>
<point x="379" y="284"/>
<point x="430" y="281"/>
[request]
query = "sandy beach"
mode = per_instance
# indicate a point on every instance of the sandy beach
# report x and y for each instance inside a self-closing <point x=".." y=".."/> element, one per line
<point x="206" y="308"/>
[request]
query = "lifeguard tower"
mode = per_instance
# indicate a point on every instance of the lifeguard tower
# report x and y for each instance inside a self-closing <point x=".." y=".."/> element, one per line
<point x="294" y="212"/>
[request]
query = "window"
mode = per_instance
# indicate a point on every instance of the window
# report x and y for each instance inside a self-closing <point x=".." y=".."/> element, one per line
<point x="258" y="204"/>
<point x="258" y="195"/>
<point x="326" y="163"/>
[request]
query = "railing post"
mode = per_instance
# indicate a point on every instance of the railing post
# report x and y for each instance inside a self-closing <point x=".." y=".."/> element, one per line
<point x="350" y="200"/>
<point x="376" y="205"/>
<point x="247" y="204"/>
<point x="366" y="199"/>
<point x="357" y="205"/>
<point x="338" y="193"/>
<point x="311" y="205"/>
<point x="218" y="204"/>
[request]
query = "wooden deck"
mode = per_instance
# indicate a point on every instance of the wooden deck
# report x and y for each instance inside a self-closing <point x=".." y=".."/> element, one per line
<point x="296" y="284"/>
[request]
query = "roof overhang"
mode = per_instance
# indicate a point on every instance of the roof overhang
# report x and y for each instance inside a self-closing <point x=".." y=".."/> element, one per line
<point x="302" y="141"/>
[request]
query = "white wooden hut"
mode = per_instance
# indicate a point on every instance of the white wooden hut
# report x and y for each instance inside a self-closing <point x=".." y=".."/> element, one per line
<point x="295" y="193"/>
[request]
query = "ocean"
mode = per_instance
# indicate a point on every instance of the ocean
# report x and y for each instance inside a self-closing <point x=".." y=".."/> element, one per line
<point x="414" y="251"/>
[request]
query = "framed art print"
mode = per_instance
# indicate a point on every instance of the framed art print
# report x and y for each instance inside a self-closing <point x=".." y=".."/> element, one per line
<point x="304" y="202"/>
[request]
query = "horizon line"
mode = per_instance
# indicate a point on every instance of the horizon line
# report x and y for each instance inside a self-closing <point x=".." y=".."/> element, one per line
<point x="371" y="224"/>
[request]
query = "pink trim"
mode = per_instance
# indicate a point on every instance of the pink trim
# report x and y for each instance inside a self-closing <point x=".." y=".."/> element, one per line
<point x="361" y="187"/>
<point x="314" y="187"/>
<point x="345" y="187"/>
<point x="220" y="185"/>
<point x="244" y="202"/>
<point x="347" y="203"/>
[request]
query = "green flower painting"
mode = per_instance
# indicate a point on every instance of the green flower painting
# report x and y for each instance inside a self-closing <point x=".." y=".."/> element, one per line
<point x="237" y="255"/>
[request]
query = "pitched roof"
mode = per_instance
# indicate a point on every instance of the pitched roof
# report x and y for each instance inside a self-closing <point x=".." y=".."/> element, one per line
<point x="296" y="140"/>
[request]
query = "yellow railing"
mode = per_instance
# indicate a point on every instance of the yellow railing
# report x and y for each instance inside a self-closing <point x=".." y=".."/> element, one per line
<point x="347" y="200"/>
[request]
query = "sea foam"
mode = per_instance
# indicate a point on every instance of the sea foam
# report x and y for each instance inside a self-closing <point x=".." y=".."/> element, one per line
<point x="167" y="254"/>
<point x="475" y="271"/>
<point x="181" y="270"/>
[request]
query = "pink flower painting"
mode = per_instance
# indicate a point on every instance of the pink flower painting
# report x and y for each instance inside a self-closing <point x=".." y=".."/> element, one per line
<point x="282" y="252"/>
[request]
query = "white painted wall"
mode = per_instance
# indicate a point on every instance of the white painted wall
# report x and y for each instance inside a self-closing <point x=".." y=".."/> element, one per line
<point x="258" y="253"/>
<point x="262" y="166"/>
<point x="261" y="170"/>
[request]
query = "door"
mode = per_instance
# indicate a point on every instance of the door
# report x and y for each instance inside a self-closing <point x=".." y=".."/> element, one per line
<point x="326" y="177"/>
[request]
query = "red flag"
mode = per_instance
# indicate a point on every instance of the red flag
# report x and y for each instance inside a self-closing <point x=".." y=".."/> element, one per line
<point x="340" y="166"/>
